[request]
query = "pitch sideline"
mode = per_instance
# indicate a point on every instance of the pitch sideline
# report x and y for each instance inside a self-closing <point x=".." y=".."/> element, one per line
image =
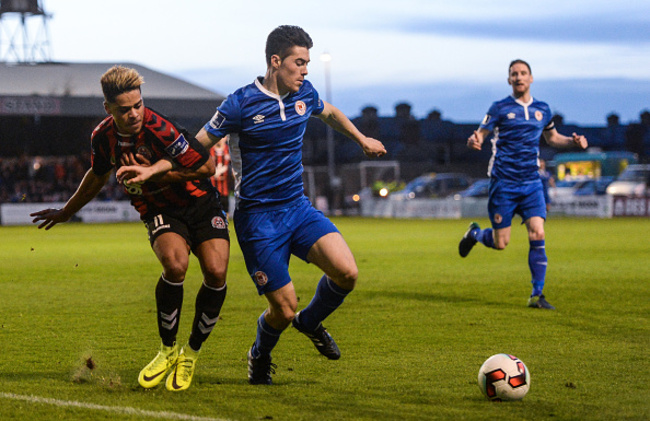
<point x="116" y="409"/>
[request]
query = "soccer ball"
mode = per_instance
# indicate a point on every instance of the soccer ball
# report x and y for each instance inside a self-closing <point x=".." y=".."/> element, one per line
<point x="504" y="377"/>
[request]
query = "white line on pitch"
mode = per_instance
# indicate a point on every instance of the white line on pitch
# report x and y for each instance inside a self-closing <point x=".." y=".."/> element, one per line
<point x="116" y="409"/>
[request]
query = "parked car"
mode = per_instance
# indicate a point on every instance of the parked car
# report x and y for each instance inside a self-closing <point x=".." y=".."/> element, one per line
<point x="593" y="187"/>
<point x="480" y="188"/>
<point x="633" y="181"/>
<point x="433" y="185"/>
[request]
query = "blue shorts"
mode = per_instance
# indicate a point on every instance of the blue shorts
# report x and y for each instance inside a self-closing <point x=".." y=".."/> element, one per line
<point x="507" y="198"/>
<point x="269" y="238"/>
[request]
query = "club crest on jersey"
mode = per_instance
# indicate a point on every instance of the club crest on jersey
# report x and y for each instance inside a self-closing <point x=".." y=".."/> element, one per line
<point x="218" y="223"/>
<point x="260" y="278"/>
<point x="217" y="120"/>
<point x="178" y="147"/>
<point x="538" y="115"/>
<point x="301" y="108"/>
<point x="144" y="151"/>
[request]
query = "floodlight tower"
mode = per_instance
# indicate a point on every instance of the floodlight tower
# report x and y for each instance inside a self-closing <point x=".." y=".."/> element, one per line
<point x="24" y="36"/>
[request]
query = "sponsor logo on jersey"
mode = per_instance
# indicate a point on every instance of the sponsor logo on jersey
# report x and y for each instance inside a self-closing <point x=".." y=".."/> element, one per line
<point x="498" y="218"/>
<point x="217" y="120"/>
<point x="144" y="151"/>
<point x="258" y="119"/>
<point x="124" y="144"/>
<point x="178" y="147"/>
<point x="260" y="278"/>
<point x="218" y="223"/>
<point x="486" y="120"/>
<point x="511" y="116"/>
<point x="538" y="115"/>
<point x="301" y="107"/>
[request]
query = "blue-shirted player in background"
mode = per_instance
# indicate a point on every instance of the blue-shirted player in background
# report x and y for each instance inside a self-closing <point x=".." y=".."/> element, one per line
<point x="517" y="123"/>
<point x="273" y="218"/>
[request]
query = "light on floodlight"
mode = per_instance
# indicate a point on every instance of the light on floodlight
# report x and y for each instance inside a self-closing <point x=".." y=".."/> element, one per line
<point x="356" y="198"/>
<point x="383" y="192"/>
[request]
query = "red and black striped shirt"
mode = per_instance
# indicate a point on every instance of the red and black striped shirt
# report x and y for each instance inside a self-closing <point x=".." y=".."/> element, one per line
<point x="159" y="138"/>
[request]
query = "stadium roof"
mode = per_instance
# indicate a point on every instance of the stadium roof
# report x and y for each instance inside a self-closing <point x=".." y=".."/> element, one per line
<point x="73" y="89"/>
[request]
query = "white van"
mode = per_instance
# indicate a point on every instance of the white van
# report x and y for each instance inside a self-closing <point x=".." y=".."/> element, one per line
<point x="633" y="181"/>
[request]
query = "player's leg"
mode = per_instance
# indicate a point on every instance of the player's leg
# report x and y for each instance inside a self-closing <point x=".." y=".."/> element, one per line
<point x="270" y="325"/>
<point x="207" y="226"/>
<point x="333" y="256"/>
<point x="264" y="238"/>
<point x="213" y="258"/>
<point x="501" y="208"/>
<point x="537" y="262"/>
<point x="172" y="252"/>
<point x="533" y="211"/>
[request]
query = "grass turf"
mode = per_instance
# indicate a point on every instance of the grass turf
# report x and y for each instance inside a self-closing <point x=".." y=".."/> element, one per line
<point x="413" y="334"/>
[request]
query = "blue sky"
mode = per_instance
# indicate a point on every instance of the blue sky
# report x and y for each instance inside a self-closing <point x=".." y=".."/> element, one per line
<point x="589" y="58"/>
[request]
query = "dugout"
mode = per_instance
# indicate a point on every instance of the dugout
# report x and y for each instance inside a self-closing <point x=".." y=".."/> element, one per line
<point x="51" y="108"/>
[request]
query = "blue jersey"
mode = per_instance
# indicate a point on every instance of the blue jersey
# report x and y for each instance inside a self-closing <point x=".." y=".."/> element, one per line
<point x="517" y="128"/>
<point x="266" y="142"/>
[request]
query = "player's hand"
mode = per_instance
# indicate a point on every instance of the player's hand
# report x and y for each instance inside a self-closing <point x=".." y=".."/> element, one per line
<point x="474" y="141"/>
<point x="133" y="174"/>
<point x="580" y="141"/>
<point x="134" y="159"/>
<point x="50" y="217"/>
<point x="373" y="148"/>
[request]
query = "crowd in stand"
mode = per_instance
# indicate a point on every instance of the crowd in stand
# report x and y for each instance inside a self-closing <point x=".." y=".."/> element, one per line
<point x="47" y="179"/>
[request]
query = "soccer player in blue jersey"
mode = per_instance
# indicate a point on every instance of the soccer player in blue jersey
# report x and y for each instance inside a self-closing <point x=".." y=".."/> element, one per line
<point x="273" y="218"/>
<point x="517" y="122"/>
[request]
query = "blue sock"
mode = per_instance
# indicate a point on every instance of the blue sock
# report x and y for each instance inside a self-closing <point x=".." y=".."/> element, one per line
<point x="537" y="261"/>
<point x="267" y="338"/>
<point x="484" y="237"/>
<point x="328" y="298"/>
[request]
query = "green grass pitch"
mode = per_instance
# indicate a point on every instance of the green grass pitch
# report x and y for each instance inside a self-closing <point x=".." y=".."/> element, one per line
<point x="413" y="334"/>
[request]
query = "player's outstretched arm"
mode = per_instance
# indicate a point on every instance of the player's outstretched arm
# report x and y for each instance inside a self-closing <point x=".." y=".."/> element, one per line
<point x="334" y="118"/>
<point x="557" y="140"/>
<point x="89" y="187"/>
<point x="139" y="173"/>
<point x="138" y="169"/>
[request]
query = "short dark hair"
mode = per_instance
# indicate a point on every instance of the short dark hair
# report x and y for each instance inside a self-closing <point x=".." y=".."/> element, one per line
<point x="519" y="61"/>
<point x="283" y="38"/>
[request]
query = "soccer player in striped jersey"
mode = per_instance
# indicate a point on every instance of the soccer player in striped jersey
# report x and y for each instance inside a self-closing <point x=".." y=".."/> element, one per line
<point x="181" y="211"/>
<point x="517" y="123"/>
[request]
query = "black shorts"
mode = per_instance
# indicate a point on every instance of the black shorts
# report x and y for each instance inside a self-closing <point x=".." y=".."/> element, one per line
<point x="202" y="221"/>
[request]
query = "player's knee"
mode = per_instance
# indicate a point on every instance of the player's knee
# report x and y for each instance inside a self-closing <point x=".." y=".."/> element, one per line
<point x="281" y="317"/>
<point x="501" y="244"/>
<point x="175" y="270"/>
<point x="215" y="276"/>
<point x="347" y="279"/>
<point x="536" y="235"/>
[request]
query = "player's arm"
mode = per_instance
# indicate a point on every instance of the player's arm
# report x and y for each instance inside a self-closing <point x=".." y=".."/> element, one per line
<point x="89" y="187"/>
<point x="557" y="140"/>
<point x="334" y="118"/>
<point x="138" y="169"/>
<point x="475" y="141"/>
<point x="208" y="140"/>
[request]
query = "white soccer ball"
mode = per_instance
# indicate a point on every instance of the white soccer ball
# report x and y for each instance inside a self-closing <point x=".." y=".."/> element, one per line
<point x="504" y="377"/>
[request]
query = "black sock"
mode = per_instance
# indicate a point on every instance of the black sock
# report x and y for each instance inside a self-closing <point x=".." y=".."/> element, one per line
<point x="208" y="305"/>
<point x="169" y="300"/>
